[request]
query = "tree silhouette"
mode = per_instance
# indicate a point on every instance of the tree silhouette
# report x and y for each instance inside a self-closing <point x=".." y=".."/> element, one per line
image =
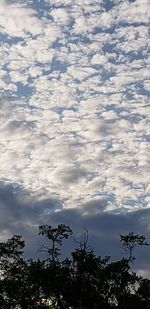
<point x="56" y="237"/>
<point x="131" y="241"/>
<point x="84" y="281"/>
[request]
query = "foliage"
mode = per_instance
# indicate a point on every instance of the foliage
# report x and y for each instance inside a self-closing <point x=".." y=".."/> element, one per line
<point x="85" y="281"/>
<point x="131" y="241"/>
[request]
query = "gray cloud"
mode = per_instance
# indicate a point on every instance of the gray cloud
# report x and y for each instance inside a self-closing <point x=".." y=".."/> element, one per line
<point x="22" y="214"/>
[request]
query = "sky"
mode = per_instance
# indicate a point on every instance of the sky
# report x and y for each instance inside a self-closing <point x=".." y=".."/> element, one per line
<point x="75" y="118"/>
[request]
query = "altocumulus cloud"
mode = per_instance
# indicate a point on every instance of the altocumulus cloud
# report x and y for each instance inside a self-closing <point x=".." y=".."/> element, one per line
<point x="74" y="114"/>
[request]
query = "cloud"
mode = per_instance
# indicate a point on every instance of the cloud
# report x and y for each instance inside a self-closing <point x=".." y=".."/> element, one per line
<point x="60" y="16"/>
<point x="75" y="105"/>
<point x="21" y="213"/>
<point x="136" y="11"/>
<point x="17" y="20"/>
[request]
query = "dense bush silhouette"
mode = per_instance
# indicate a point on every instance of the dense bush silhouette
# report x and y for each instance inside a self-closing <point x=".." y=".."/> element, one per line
<point x="84" y="281"/>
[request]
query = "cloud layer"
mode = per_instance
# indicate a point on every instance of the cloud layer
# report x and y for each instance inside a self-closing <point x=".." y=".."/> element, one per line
<point x="74" y="108"/>
<point x="21" y="215"/>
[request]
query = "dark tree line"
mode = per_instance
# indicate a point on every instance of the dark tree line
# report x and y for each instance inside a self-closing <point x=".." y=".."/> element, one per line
<point x="84" y="281"/>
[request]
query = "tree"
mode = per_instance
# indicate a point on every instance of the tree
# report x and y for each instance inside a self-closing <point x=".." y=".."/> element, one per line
<point x="131" y="241"/>
<point x="83" y="281"/>
<point x="54" y="272"/>
<point x="56" y="237"/>
<point x="18" y="287"/>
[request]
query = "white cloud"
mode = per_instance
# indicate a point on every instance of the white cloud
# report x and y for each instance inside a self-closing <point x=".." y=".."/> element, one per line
<point x="99" y="59"/>
<point x="59" y="2"/>
<point x="60" y="16"/>
<point x="17" y="20"/>
<point x="84" y="119"/>
<point x="147" y="85"/>
<point x="137" y="11"/>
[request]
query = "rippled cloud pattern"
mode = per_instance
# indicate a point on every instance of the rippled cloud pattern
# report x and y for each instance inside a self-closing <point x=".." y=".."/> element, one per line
<point x="74" y="105"/>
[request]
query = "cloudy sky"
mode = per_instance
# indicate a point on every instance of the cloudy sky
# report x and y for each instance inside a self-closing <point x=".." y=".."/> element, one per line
<point x="75" y="117"/>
